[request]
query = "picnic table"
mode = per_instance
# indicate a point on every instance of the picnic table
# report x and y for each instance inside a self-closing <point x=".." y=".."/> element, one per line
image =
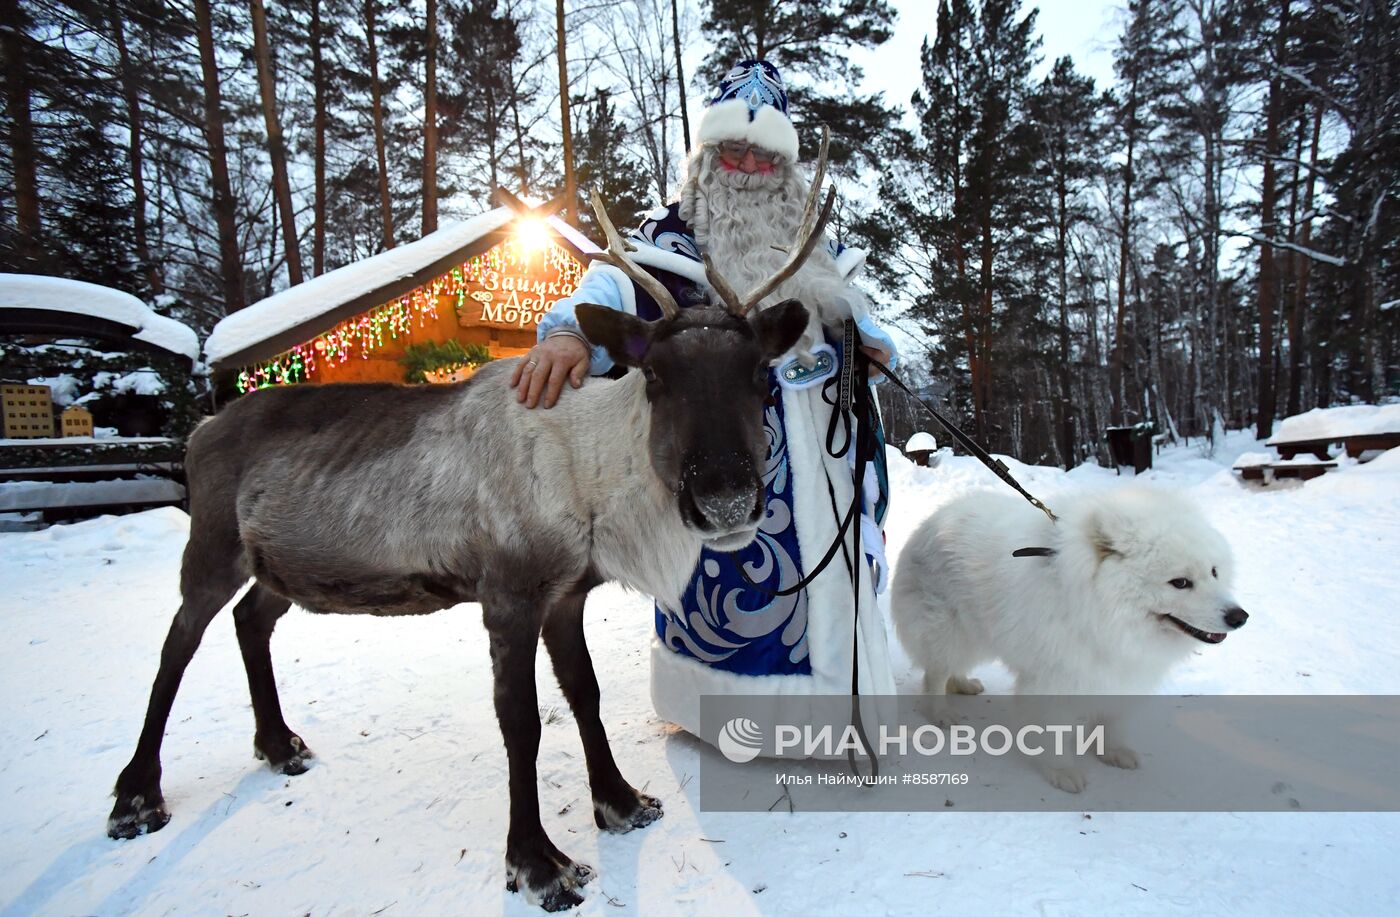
<point x="1360" y="428"/>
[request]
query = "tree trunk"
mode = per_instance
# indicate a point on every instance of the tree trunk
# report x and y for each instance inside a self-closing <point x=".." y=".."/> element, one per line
<point x="376" y="92"/>
<point x="430" y="220"/>
<point x="570" y="188"/>
<point x="1269" y="230"/>
<point x="492" y="127"/>
<point x="1300" y="286"/>
<point x="318" y="82"/>
<point x="523" y="179"/>
<point x="680" y="73"/>
<point x="1064" y="409"/>
<point x="22" y="152"/>
<point x="276" y="147"/>
<point x="982" y="400"/>
<point x="230" y="260"/>
<point x="1115" y="366"/>
<point x="138" y="181"/>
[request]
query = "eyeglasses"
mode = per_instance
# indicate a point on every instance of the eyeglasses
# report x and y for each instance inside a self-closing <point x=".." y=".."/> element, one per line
<point x="736" y="150"/>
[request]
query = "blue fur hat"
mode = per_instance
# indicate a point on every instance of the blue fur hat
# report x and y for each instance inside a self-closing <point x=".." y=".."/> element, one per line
<point x="751" y="104"/>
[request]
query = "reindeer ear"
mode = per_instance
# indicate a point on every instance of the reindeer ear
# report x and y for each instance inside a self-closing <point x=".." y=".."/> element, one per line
<point x="626" y="337"/>
<point x="779" y="327"/>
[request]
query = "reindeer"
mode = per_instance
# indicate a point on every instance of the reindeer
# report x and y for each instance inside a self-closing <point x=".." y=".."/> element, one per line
<point x="396" y="500"/>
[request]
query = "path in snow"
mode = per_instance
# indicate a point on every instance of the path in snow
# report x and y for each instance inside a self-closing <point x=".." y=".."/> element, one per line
<point x="404" y="811"/>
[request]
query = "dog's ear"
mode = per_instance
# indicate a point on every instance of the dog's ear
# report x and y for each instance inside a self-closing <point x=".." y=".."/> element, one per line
<point x="1105" y="535"/>
<point x="1103" y="547"/>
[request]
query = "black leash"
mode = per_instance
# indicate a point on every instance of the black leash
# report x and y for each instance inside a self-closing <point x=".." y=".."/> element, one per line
<point x="854" y="404"/>
<point x="997" y="466"/>
<point x="860" y="416"/>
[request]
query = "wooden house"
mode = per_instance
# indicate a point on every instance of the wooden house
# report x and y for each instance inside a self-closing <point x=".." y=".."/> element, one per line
<point x="486" y="281"/>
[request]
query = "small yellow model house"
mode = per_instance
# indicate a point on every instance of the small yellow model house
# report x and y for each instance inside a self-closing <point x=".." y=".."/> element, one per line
<point x="28" y="411"/>
<point x="75" y="421"/>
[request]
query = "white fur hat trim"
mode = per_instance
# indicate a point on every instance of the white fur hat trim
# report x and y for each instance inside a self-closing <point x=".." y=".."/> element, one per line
<point x="769" y="129"/>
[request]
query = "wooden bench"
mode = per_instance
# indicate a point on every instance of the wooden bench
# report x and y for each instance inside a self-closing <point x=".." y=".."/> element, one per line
<point x="1259" y="467"/>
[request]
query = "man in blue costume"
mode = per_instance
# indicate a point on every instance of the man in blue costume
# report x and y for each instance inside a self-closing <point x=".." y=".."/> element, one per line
<point x="741" y="203"/>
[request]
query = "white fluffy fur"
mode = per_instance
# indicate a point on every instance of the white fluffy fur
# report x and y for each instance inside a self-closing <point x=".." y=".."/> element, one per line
<point x="729" y="120"/>
<point x="1086" y="620"/>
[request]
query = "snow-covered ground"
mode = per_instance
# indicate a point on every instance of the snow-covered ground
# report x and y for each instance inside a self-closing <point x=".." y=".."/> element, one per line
<point x="404" y="811"/>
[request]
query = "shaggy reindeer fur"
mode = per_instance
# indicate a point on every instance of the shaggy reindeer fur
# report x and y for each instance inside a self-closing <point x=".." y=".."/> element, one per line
<point x="394" y="500"/>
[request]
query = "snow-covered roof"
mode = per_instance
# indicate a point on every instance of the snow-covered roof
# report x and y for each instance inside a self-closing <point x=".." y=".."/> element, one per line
<point x="77" y="297"/>
<point x="921" y="442"/>
<point x="1348" y="420"/>
<point x="377" y="276"/>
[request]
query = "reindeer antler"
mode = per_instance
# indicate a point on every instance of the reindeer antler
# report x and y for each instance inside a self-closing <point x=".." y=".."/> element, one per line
<point x="813" y="223"/>
<point x="616" y="255"/>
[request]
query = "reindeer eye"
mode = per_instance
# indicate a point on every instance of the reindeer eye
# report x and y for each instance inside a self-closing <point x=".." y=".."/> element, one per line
<point x="649" y="374"/>
<point x="1180" y="582"/>
<point x="1213" y="573"/>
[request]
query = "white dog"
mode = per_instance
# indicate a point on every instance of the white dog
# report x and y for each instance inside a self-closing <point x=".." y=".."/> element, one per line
<point x="1103" y="602"/>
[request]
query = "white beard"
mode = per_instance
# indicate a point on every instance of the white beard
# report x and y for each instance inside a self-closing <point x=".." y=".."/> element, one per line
<point x="738" y="218"/>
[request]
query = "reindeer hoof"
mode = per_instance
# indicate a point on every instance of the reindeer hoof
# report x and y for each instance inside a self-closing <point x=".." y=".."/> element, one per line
<point x="621" y="819"/>
<point x="136" y="814"/>
<point x="288" y="756"/>
<point x="552" y="882"/>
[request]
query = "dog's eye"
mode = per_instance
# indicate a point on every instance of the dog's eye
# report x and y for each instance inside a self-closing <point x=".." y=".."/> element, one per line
<point x="1180" y="582"/>
<point x="1214" y="574"/>
<point x="649" y="374"/>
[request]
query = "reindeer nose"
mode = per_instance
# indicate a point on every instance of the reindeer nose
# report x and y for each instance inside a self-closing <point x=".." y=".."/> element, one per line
<point x="1235" y="617"/>
<point x="722" y="495"/>
<point x="726" y="509"/>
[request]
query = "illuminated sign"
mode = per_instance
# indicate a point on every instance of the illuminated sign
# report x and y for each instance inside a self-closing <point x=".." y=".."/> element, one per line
<point x="514" y="284"/>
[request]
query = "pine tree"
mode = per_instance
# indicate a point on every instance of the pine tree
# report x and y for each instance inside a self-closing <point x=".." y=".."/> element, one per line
<point x="477" y="97"/>
<point x="1145" y="66"/>
<point x="962" y="192"/>
<point x="603" y="166"/>
<point x="1065" y="114"/>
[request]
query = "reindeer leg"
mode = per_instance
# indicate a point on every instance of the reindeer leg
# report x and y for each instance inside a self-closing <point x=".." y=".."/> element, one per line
<point x="617" y="806"/>
<point x="255" y="617"/>
<point x="534" y="866"/>
<point x="210" y="574"/>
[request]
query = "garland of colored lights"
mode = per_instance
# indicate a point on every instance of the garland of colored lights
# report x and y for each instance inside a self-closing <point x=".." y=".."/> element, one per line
<point x="368" y="332"/>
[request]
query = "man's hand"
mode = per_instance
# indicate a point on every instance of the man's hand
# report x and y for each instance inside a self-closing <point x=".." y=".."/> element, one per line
<point x="875" y="353"/>
<point x="545" y="368"/>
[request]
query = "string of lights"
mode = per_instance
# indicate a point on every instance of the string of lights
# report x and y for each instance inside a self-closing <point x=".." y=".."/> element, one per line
<point x="359" y="337"/>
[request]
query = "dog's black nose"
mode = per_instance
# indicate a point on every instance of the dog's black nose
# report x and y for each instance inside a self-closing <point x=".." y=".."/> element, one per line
<point x="1235" y="617"/>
